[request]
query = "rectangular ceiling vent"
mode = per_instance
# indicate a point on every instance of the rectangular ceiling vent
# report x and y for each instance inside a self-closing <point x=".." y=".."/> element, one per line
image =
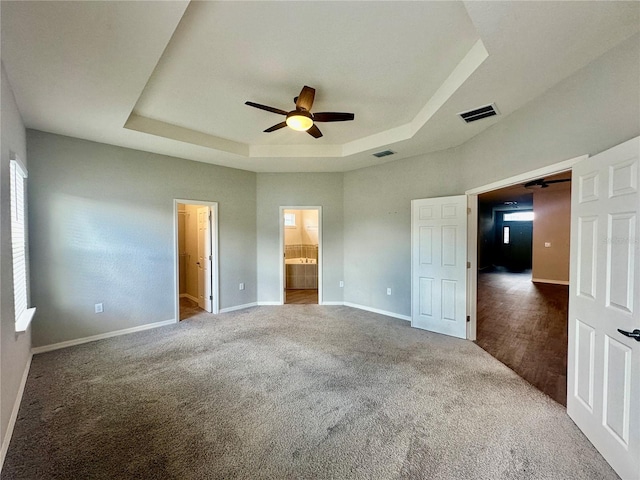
<point x="383" y="153"/>
<point x="479" y="113"/>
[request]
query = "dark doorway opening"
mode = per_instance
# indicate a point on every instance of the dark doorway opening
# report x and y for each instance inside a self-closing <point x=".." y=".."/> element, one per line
<point x="522" y="320"/>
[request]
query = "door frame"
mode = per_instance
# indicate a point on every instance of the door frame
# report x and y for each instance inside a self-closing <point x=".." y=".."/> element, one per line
<point x="281" y="252"/>
<point x="215" y="289"/>
<point x="472" y="229"/>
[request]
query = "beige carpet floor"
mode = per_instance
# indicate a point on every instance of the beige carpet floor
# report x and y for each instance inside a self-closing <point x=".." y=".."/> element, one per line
<point x="298" y="391"/>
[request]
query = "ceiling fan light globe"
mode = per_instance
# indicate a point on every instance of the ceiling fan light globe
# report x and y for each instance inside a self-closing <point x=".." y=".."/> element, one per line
<point x="299" y="121"/>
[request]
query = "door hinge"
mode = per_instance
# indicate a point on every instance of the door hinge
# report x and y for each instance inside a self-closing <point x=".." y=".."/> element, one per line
<point x="468" y="211"/>
<point x="210" y="258"/>
<point x="468" y="318"/>
<point x="211" y="298"/>
<point x="468" y="264"/>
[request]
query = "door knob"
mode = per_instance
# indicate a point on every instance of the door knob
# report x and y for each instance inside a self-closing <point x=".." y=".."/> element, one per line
<point x="635" y="334"/>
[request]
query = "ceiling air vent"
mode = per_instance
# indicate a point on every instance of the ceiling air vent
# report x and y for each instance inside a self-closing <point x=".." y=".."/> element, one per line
<point x="383" y="153"/>
<point x="479" y="113"/>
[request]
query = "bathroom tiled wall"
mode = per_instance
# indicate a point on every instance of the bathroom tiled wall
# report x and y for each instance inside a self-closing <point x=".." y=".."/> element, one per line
<point x="301" y="251"/>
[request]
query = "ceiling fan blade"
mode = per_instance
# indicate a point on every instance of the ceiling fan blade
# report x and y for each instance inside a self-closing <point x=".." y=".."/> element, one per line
<point x="333" y="117"/>
<point x="534" y="183"/>
<point x="265" y="107"/>
<point x="276" y="127"/>
<point x="558" y="181"/>
<point x="314" y="131"/>
<point x="305" y="99"/>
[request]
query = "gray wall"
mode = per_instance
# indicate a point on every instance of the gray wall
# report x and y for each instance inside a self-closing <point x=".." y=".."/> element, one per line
<point x="299" y="189"/>
<point x="15" y="349"/>
<point x="377" y="233"/>
<point x="589" y="112"/>
<point x="102" y="230"/>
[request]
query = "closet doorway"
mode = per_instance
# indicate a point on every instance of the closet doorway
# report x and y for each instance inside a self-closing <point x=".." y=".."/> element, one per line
<point x="301" y="255"/>
<point x="196" y="258"/>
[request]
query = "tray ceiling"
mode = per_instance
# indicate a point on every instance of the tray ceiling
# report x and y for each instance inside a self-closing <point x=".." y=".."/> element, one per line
<point x="172" y="77"/>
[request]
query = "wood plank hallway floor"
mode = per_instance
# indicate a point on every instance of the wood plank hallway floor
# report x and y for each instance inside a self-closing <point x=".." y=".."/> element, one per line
<point x="299" y="296"/>
<point x="524" y="325"/>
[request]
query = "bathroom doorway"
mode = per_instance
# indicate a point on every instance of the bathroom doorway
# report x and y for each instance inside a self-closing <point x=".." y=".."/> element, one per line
<point x="196" y="240"/>
<point x="301" y="255"/>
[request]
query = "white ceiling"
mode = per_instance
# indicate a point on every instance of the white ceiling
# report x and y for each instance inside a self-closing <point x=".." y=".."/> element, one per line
<point x="172" y="77"/>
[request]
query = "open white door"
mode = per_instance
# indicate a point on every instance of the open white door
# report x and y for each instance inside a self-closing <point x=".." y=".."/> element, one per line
<point x="603" y="376"/>
<point x="439" y="265"/>
<point x="204" y="258"/>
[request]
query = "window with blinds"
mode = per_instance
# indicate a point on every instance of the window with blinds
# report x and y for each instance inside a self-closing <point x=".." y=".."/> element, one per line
<point x="23" y="314"/>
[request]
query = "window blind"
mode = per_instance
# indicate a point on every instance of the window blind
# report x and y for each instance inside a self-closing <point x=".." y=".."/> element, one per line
<point x="18" y="243"/>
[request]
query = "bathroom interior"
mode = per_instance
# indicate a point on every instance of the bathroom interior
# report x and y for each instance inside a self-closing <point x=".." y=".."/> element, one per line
<point x="191" y="241"/>
<point x="301" y="256"/>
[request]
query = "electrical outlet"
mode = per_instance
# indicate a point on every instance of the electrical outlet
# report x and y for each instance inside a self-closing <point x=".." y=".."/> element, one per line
<point x="547" y="244"/>
<point x="341" y="284"/>
<point x="241" y="286"/>
<point x="99" y="308"/>
<point x="388" y="291"/>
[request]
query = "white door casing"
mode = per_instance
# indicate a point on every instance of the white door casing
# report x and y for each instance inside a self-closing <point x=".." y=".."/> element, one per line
<point x="204" y="258"/>
<point x="603" y="376"/>
<point x="439" y="265"/>
<point x="281" y="254"/>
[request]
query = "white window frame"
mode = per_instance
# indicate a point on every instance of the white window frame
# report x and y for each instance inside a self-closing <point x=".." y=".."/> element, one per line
<point x="19" y="254"/>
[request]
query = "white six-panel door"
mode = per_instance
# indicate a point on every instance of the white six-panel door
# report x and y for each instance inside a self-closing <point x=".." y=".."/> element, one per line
<point x="603" y="390"/>
<point x="439" y="265"/>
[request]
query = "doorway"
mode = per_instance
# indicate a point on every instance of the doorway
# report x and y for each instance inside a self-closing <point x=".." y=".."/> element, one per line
<point x="196" y="258"/>
<point x="523" y="293"/>
<point x="301" y="255"/>
<point x="520" y="315"/>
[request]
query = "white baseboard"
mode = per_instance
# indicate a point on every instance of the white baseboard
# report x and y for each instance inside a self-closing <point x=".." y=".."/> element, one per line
<point x="238" y="307"/>
<point x="93" y="338"/>
<point x="332" y="303"/>
<point x="546" y="280"/>
<point x="14" y="413"/>
<point x="190" y="297"/>
<point x="376" y="310"/>
<point x="269" y="303"/>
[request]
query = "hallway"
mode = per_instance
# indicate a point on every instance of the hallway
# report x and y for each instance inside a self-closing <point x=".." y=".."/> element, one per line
<point x="524" y="325"/>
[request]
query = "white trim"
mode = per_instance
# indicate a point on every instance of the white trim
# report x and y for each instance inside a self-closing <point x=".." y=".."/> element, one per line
<point x="14" y="413"/>
<point x="268" y="303"/>
<point x="238" y="307"/>
<point x="531" y="175"/>
<point x="472" y="263"/>
<point x="376" y="310"/>
<point x="215" y="263"/>
<point x="101" y="336"/>
<point x="190" y="297"/>
<point x="553" y="282"/>
<point x="13" y="157"/>
<point x="472" y="228"/>
<point x="281" y="254"/>
<point x="24" y="321"/>
<point x="332" y="303"/>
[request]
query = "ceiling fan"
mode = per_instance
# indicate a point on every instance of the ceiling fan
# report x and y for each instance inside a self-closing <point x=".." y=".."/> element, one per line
<point x="301" y="118"/>
<point x="542" y="183"/>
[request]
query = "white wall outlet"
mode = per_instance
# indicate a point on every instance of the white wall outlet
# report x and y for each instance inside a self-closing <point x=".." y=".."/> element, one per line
<point x="99" y="308"/>
<point x="389" y="291"/>
<point x="241" y="286"/>
<point x="341" y="284"/>
<point x="547" y="244"/>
